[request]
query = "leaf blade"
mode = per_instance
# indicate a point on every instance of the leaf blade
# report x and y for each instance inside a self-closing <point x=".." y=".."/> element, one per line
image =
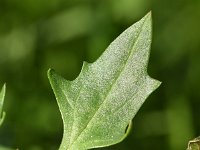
<point x="107" y="93"/>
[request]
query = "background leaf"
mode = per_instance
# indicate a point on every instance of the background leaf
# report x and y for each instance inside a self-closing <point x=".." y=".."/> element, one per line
<point x="98" y="105"/>
<point x="2" y="95"/>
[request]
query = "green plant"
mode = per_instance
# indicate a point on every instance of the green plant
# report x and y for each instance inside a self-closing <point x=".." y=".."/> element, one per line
<point x="98" y="106"/>
<point x="100" y="103"/>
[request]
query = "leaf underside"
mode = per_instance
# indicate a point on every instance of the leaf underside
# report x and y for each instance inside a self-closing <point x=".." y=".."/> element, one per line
<point x="98" y="105"/>
<point x="2" y="96"/>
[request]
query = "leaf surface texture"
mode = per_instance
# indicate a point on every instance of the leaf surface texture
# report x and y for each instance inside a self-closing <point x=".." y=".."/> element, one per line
<point x="100" y="103"/>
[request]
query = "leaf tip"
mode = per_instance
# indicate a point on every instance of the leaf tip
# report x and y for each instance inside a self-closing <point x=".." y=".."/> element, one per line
<point x="4" y="88"/>
<point x="4" y="85"/>
<point x="148" y="15"/>
<point x="50" y="72"/>
<point x="156" y="83"/>
<point x="148" y="18"/>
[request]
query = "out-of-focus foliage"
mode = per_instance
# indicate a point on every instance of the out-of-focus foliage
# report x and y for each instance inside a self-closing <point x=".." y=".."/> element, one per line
<point x="36" y="35"/>
<point x="2" y="96"/>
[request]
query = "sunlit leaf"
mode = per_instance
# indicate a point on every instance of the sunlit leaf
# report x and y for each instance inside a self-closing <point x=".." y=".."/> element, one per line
<point x="99" y="104"/>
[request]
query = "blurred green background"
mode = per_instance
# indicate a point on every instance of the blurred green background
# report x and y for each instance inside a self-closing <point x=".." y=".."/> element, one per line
<point x="39" y="34"/>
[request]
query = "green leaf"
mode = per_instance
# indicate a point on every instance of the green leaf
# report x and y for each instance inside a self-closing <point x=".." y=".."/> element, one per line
<point x="194" y="144"/>
<point x="2" y="96"/>
<point x="99" y="104"/>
